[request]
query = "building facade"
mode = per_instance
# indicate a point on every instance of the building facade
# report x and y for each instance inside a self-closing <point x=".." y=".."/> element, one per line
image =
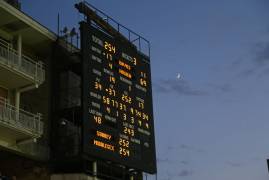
<point x="25" y="52"/>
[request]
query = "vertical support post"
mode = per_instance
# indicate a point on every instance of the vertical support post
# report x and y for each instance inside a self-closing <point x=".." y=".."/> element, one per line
<point x="17" y="103"/>
<point x="132" y="177"/>
<point x="19" y="49"/>
<point x="58" y="24"/>
<point x="94" y="170"/>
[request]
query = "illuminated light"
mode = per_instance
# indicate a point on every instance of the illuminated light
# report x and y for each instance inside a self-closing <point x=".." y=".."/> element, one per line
<point x="141" y="105"/>
<point x="147" y="125"/>
<point x="124" y="117"/>
<point x="126" y="98"/>
<point x="127" y="66"/>
<point x="104" y="145"/>
<point x="106" y="100"/>
<point x="110" y="65"/>
<point x="124" y="143"/>
<point x="98" y="86"/>
<point x="111" y="92"/>
<point x="124" y="152"/>
<point x="128" y="131"/>
<point x="103" y="135"/>
<point x="112" y="79"/>
<point x="145" y="116"/>
<point x="98" y="119"/>
<point x="124" y="73"/>
<point x="132" y="120"/>
<point x="108" y="110"/>
<point x="143" y="82"/>
<point x="111" y="48"/>
<point x="132" y="110"/>
<point x="138" y="113"/>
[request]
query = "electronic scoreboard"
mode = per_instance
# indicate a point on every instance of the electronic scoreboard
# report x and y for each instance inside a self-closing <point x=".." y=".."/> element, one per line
<point x="117" y="101"/>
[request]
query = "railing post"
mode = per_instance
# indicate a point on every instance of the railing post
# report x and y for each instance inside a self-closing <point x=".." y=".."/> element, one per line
<point x="17" y="104"/>
<point x="19" y="49"/>
<point x="39" y="123"/>
<point x="36" y="66"/>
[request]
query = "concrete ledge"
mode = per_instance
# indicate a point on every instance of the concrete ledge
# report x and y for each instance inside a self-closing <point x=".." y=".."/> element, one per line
<point x="71" y="177"/>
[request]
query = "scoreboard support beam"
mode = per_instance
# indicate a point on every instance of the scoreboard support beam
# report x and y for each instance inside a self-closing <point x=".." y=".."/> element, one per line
<point x="94" y="170"/>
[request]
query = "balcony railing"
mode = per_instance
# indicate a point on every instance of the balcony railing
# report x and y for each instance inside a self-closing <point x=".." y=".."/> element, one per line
<point x="32" y="69"/>
<point x="19" y="119"/>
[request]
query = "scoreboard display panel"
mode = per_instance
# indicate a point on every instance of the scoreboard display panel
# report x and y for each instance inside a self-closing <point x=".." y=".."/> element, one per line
<point x="117" y="101"/>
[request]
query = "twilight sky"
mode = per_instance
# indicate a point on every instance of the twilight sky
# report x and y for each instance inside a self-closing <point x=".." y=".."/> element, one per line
<point x="212" y="124"/>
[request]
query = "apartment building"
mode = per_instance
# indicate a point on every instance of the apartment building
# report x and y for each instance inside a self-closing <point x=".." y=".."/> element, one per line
<point x="25" y="52"/>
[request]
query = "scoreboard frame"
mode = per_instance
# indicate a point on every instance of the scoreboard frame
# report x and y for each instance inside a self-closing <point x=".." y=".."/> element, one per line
<point x="104" y="141"/>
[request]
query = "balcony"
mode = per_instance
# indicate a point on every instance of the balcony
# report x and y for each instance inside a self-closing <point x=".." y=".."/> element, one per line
<point x="22" y="71"/>
<point x="17" y="124"/>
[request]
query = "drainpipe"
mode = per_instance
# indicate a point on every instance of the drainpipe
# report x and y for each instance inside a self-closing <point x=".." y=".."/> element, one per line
<point x="18" y="98"/>
<point x="19" y="49"/>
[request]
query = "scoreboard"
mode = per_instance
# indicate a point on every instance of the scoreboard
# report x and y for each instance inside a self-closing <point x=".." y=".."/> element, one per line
<point x="117" y="101"/>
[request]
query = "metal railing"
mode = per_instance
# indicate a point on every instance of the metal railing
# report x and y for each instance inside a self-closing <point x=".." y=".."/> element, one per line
<point x="20" y="119"/>
<point x="141" y="43"/>
<point x="33" y="69"/>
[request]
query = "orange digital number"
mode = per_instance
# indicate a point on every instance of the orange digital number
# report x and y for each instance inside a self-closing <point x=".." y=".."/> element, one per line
<point x="128" y="131"/>
<point x="98" y="119"/>
<point x="98" y="86"/>
<point x="124" y="143"/>
<point x="124" y="152"/>
<point x="110" y="47"/>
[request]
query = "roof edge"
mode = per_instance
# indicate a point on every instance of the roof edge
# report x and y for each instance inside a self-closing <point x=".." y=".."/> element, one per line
<point x="28" y="20"/>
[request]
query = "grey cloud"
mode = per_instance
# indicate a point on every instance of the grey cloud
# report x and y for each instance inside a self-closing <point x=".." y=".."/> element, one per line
<point x="191" y="148"/>
<point x="185" y="173"/>
<point x="234" y="164"/>
<point x="181" y="87"/>
<point x="184" y="162"/>
<point x="262" y="54"/>
<point x="161" y="160"/>
<point x="260" y="62"/>
<point x="224" y="88"/>
<point x="181" y="174"/>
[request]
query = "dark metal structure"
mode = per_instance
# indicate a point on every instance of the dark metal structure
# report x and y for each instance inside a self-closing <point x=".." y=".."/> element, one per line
<point x="70" y="94"/>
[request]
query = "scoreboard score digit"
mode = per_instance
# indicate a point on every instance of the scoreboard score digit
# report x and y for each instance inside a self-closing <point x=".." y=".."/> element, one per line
<point x="117" y="101"/>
